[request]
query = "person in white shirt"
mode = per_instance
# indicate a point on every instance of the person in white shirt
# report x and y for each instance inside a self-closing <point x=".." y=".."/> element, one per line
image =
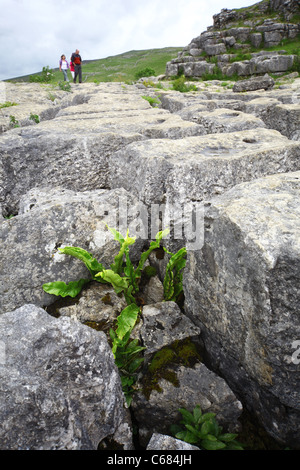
<point x="63" y="67"/>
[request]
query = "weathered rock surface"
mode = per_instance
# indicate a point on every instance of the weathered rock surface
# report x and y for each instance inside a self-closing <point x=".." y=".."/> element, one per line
<point x="164" y="442"/>
<point x="198" y="168"/>
<point x="34" y="99"/>
<point x="97" y="306"/>
<point x="222" y="120"/>
<point x="242" y="289"/>
<point x="59" y="387"/>
<point x="51" y="219"/>
<point x="278" y="109"/>
<point x="156" y="406"/>
<point x="104" y="155"/>
<point x="162" y="324"/>
<point x="173" y="374"/>
<point x="72" y="149"/>
<point x="253" y="84"/>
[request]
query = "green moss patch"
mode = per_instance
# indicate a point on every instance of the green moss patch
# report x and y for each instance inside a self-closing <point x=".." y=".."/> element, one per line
<point x="164" y="362"/>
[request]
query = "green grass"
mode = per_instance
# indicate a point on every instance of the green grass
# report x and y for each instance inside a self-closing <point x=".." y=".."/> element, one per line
<point x="254" y="12"/>
<point x="291" y="46"/>
<point x="7" y="104"/>
<point x="122" y="67"/>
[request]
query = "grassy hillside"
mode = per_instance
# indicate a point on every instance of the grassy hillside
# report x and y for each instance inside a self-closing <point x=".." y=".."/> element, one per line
<point x="122" y="67"/>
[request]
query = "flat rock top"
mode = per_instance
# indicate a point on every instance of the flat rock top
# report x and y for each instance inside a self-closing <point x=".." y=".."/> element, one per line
<point x="267" y="210"/>
<point x="91" y="108"/>
<point x="198" y="148"/>
<point x="96" y="108"/>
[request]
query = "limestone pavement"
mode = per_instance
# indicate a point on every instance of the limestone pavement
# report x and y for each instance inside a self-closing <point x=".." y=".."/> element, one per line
<point x="103" y="150"/>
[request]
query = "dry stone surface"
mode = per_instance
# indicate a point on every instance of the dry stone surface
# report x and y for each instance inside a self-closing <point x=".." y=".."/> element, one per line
<point x="59" y="388"/>
<point x="52" y="219"/>
<point x="197" y="168"/>
<point x="165" y="442"/>
<point x="73" y="148"/>
<point x="247" y="277"/>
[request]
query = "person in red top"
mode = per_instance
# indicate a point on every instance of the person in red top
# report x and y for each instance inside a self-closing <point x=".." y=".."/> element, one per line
<point x="72" y="69"/>
<point x="76" y="59"/>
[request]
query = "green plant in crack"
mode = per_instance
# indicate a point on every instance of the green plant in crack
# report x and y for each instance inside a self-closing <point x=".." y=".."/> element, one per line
<point x="127" y="351"/>
<point x="173" y="286"/>
<point x="125" y="278"/>
<point x="13" y="121"/>
<point x="65" y="86"/>
<point x="34" y="117"/>
<point x="179" y="84"/>
<point x="154" y="102"/>
<point x="203" y="430"/>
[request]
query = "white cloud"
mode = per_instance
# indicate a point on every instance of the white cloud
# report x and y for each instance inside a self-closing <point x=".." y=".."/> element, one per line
<point x="34" y="33"/>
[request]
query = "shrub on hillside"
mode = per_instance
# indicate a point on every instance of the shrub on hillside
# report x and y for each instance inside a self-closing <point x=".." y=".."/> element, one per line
<point x="147" y="72"/>
<point x="45" y="76"/>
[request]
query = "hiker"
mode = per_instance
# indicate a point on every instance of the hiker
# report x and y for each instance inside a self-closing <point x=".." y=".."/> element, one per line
<point x="76" y="59"/>
<point x="72" y="69"/>
<point x="63" y="67"/>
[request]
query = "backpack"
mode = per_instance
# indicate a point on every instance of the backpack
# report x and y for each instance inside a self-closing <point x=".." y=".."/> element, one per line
<point x="77" y="60"/>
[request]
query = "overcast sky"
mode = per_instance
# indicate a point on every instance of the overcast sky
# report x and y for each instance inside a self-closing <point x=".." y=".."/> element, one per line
<point x="34" y="33"/>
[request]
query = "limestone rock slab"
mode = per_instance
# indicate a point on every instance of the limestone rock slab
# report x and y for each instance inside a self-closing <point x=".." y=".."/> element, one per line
<point x="242" y="289"/>
<point x="51" y="219"/>
<point x="223" y="120"/>
<point x="42" y="100"/>
<point x="71" y="150"/>
<point x="164" y="442"/>
<point x="162" y="324"/>
<point x="36" y="157"/>
<point x="59" y="388"/>
<point x="198" y="168"/>
<point x="253" y="84"/>
<point x="195" y="386"/>
<point x="98" y="306"/>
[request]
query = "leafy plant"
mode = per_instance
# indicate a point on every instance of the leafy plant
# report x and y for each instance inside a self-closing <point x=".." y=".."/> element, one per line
<point x="127" y="351"/>
<point x="62" y="289"/>
<point x="216" y="74"/>
<point x="44" y="77"/>
<point x="72" y="289"/>
<point x="34" y="117"/>
<point x="51" y="97"/>
<point x="13" y="121"/>
<point x="204" y="431"/>
<point x="65" y="86"/>
<point x="128" y="360"/>
<point x="240" y="56"/>
<point x="152" y="101"/>
<point x="124" y="277"/>
<point x="173" y="278"/>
